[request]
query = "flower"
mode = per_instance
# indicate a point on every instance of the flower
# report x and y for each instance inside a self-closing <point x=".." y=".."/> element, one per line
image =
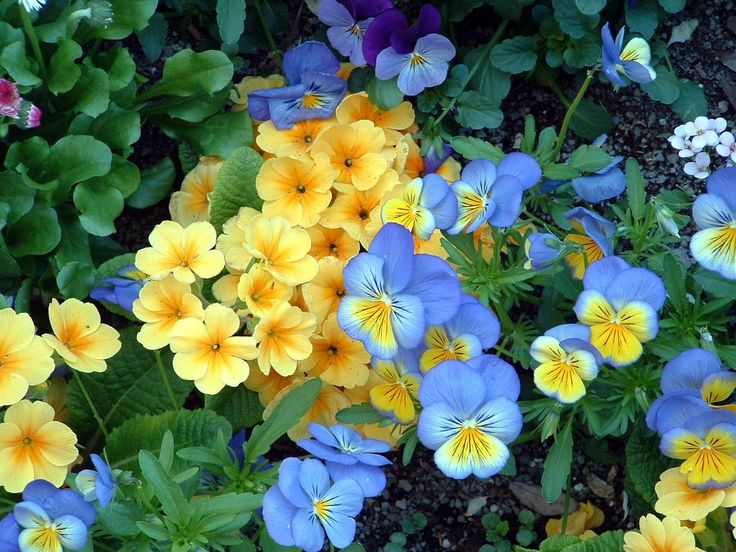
<point x="209" y="353"/>
<point x="700" y="168"/>
<point x="34" y="446"/>
<point x="232" y="241"/>
<point x="298" y="191"/>
<point x="727" y="146"/>
<point x="296" y="141"/>
<point x="704" y="131"/>
<point x="491" y="193"/>
<point x="323" y="294"/>
<point x="332" y="242"/>
<point x="283" y="249"/>
<point x="240" y="91"/>
<point x="632" y="61"/>
<point x="442" y="164"/>
<point x="603" y="184"/>
<point x="358" y="107"/>
<point x="620" y="305"/>
<point x="314" y="89"/>
<point x="97" y="484"/>
<point x="466" y="422"/>
<point x="426" y="204"/>
<point x="660" y="536"/>
<point x="336" y="358"/>
<point x="123" y="290"/>
<point x="25" y="359"/>
<point x="567" y="359"/>
<point x="594" y="239"/>
<point x="395" y="396"/>
<point x="9" y="533"/>
<point x="678" y="500"/>
<point x="261" y="291"/>
<point x="9" y="99"/>
<point x="347" y="21"/>
<point x="32" y="5"/>
<point x="302" y="506"/>
<point x="192" y="202"/>
<point x="580" y="522"/>
<point x="393" y="294"/>
<point x="268" y="386"/>
<point x="681" y="141"/>
<point x="714" y="244"/>
<point x="283" y="338"/>
<point x="542" y="250"/>
<point x="161" y="305"/>
<point x="29" y="115"/>
<point x="79" y="337"/>
<point x="348" y="455"/>
<point x="184" y="252"/>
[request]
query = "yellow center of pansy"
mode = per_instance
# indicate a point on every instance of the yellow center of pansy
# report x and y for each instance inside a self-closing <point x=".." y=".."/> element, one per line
<point x="321" y="508"/>
<point x="312" y="100"/>
<point x="417" y="59"/>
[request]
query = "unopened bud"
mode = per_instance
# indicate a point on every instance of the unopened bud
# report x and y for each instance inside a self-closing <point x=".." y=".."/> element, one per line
<point x="29" y="115"/>
<point x="101" y="13"/>
<point x="551" y="423"/>
<point x="666" y="221"/>
<point x="706" y="341"/>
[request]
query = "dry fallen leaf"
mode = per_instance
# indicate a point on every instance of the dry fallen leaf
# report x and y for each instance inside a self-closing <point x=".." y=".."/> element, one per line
<point x="683" y="31"/>
<point x="599" y="486"/>
<point x="476" y="505"/>
<point x="728" y="59"/>
<point x="531" y="497"/>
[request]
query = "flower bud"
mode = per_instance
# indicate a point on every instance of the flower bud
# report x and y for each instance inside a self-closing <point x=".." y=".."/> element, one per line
<point x="101" y="13"/>
<point x="29" y="115"/>
<point x="10" y="99"/>
<point x="666" y="221"/>
<point x="551" y="422"/>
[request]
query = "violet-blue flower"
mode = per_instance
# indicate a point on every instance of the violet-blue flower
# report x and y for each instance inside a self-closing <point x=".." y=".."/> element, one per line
<point x="97" y="484"/>
<point x="122" y="290"/>
<point x="9" y="533"/>
<point x="632" y="61"/>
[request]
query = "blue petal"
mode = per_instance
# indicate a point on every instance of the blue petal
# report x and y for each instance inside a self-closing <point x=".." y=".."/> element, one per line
<point x="600" y="229"/>
<point x="454" y="383"/>
<point x="345" y="497"/>
<point x="569" y="331"/>
<point x="540" y="253"/>
<point x="325" y="452"/>
<point x="522" y="166"/>
<point x="506" y="196"/>
<point x="340" y="530"/>
<point x="313" y="478"/>
<point x="434" y="190"/>
<point x="437" y="286"/>
<point x="310" y="56"/>
<point x="445" y="212"/>
<point x="501" y="417"/>
<point x="278" y="514"/>
<point x="711" y="211"/>
<point x="363" y="276"/>
<point x="39" y="490"/>
<point x="499" y="377"/>
<point x="289" y="483"/>
<point x="407" y="320"/>
<point x="259" y="101"/>
<point x="395" y="246"/>
<point x="723" y="184"/>
<point x="323" y="435"/>
<point x="475" y="319"/>
<point x="600" y="187"/>
<point x="307" y="531"/>
<point x="602" y="272"/>
<point x="389" y="63"/>
<point x="480" y="174"/>
<point x="677" y="408"/>
<point x="438" y="423"/>
<point x="72" y="532"/>
<point x="609" y="46"/>
<point x="9" y="531"/>
<point x="637" y="72"/>
<point x="371" y="479"/>
<point x="68" y="502"/>
<point x="688" y="370"/>
<point x="29" y="514"/>
<point x="636" y="284"/>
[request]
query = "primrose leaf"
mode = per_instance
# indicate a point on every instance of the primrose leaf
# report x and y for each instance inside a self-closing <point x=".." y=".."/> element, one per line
<point x="188" y="72"/>
<point x="235" y="186"/>
<point x="35" y="233"/>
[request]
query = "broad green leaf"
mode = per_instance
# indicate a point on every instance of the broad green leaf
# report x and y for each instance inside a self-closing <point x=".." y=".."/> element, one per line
<point x="589" y="159"/>
<point x="188" y="72"/>
<point x="672" y="6"/>
<point x="559" y="171"/>
<point x="91" y="94"/>
<point x="230" y="19"/>
<point x="35" y="233"/>
<point x="63" y="72"/>
<point x="360" y="414"/>
<point x="488" y="80"/>
<point x="99" y="205"/>
<point x="123" y="176"/>
<point x="642" y="17"/>
<point x="235" y="186"/>
<point x="609" y="541"/>
<point x="644" y="462"/>
<point x="515" y="55"/>
<point x="119" y="518"/>
<point x="674" y="282"/>
<point x="590" y="7"/>
<point x="119" y="66"/>
<point x="130" y="15"/>
<point x="384" y="94"/>
<point x="156" y="182"/>
<point x="285" y="416"/>
<point x="118" y="127"/>
<point x="635" y="189"/>
<point x="590" y="120"/>
<point x="475" y="148"/>
<point x="75" y="279"/>
<point x="477" y="111"/>
<point x="13" y="58"/>
<point x="714" y="283"/>
<point x="74" y="159"/>
<point x="239" y="405"/>
<point x="691" y="102"/>
<point x="74" y="245"/>
<point x="192" y="109"/>
<point x="571" y="20"/>
<point x="153" y="38"/>
<point x="582" y="52"/>
<point x="8" y="265"/>
<point x="219" y="135"/>
<point x="557" y="465"/>
<point x="16" y="195"/>
<point x="665" y="88"/>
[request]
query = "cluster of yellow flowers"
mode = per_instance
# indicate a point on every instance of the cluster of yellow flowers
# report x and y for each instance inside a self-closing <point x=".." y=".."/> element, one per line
<point x="34" y="443"/>
<point x="274" y="324"/>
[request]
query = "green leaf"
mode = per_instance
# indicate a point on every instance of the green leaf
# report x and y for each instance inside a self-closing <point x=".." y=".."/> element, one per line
<point x="75" y="279"/>
<point x="63" y="72"/>
<point x="384" y="94"/>
<point x="675" y="283"/>
<point x="515" y="55"/>
<point x="360" y="414"/>
<point x="560" y="171"/>
<point x="130" y="15"/>
<point x="644" y="462"/>
<point x="477" y="111"/>
<point x="571" y="20"/>
<point x="131" y="385"/>
<point x="155" y="184"/>
<point x="239" y="405"/>
<point x="119" y="518"/>
<point x="99" y="205"/>
<point x="488" y="80"/>
<point x="16" y="195"/>
<point x="188" y="72"/>
<point x="13" y="59"/>
<point x="91" y="94"/>
<point x="168" y="493"/>
<point x="582" y="52"/>
<point x="123" y="176"/>
<point x="665" y="88"/>
<point x="557" y="465"/>
<point x="230" y="19"/>
<point x="714" y="283"/>
<point x="590" y="7"/>
<point x="475" y="148"/>
<point x="589" y="159"/>
<point x="219" y="135"/>
<point x="190" y="428"/>
<point x="590" y="120"/>
<point x="118" y="127"/>
<point x="643" y="17"/>
<point x="35" y="233"/>
<point x="153" y="38"/>
<point x="74" y="159"/>
<point x="193" y="109"/>
<point x="285" y="416"/>
<point x="672" y="6"/>
<point x="635" y="189"/>
<point x="119" y="66"/>
<point x="235" y="186"/>
<point x="691" y="102"/>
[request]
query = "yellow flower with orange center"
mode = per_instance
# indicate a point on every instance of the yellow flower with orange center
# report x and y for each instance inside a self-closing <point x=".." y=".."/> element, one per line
<point x="337" y="358"/>
<point x="192" y="202"/>
<point x="296" y="190"/>
<point x="184" y="252"/>
<point x="283" y="338"/>
<point x="79" y="336"/>
<point x="323" y="294"/>
<point x="657" y="535"/>
<point x="225" y="288"/>
<point x="161" y="305"/>
<point x="34" y="446"/>
<point x="239" y="93"/>
<point x="294" y="142"/>
<point x="268" y="386"/>
<point x="678" y="500"/>
<point x="580" y="523"/>
<point x="357" y="107"/>
<point x="261" y="291"/>
<point x="414" y="166"/>
<point x="332" y="242"/>
<point x="355" y="152"/>
<point x="283" y="249"/>
<point x="232" y="240"/>
<point x="209" y="353"/>
<point x="25" y="359"/>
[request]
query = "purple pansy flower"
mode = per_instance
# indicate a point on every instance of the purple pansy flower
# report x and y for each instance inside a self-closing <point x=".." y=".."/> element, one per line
<point x="122" y="291"/>
<point x="632" y="61"/>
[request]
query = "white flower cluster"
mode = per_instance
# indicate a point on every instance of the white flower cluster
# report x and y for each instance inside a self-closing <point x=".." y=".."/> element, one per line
<point x="693" y="139"/>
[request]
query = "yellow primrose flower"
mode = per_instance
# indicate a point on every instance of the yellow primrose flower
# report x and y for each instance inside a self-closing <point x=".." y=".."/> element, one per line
<point x="268" y="386"/>
<point x="360" y="394"/>
<point x="396" y="395"/>
<point x="284" y="250"/>
<point x="415" y="167"/>
<point x="192" y="202"/>
<point x="225" y="288"/>
<point x="337" y="358"/>
<point x="357" y="107"/>
<point x="25" y="358"/>
<point x="261" y="291"/>
<point x="184" y="252"/>
<point x="322" y="295"/>
<point x="79" y="337"/>
<point x="678" y="500"/>
<point x="232" y="240"/>
<point x="34" y="446"/>
<point x="294" y="142"/>
<point x="355" y="152"/>
<point x="239" y="93"/>
<point x="660" y="536"/>
<point x="209" y="353"/>
<point x="298" y="191"/>
<point x="283" y="338"/>
<point x="332" y="242"/>
<point x="580" y="523"/>
<point x="56" y="397"/>
<point x="732" y="521"/>
<point x="161" y="305"/>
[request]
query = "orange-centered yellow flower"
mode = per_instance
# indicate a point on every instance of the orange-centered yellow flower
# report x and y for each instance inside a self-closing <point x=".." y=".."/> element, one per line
<point x="192" y="202"/>
<point x="184" y="252"/>
<point x="25" y="359"/>
<point x="680" y="501"/>
<point x="239" y="93"/>
<point x="34" y="446"/>
<point x="660" y="536"/>
<point x="296" y="190"/>
<point x="260" y="291"/>
<point x="208" y="352"/>
<point x="232" y="240"/>
<point x="332" y="242"/>
<point x="162" y="304"/>
<point x="357" y="107"/>
<point x="283" y="338"/>
<point x="79" y="338"/>
<point x="295" y="142"/>
<point x="323" y="294"/>
<point x="268" y="386"/>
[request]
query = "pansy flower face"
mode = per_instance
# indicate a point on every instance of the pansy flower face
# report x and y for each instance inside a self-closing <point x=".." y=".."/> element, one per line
<point x="632" y="61"/>
<point x="593" y="236"/>
<point x="396" y="394"/>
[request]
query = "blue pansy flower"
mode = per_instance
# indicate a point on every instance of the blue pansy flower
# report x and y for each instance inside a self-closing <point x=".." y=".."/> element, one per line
<point x="123" y="290"/>
<point x="632" y="61"/>
<point x="97" y="484"/>
<point x="393" y="294"/>
<point x="303" y="506"/>
<point x="348" y="455"/>
<point x="314" y="90"/>
<point x="543" y="250"/>
<point x="593" y="239"/>
<point x="608" y="182"/>
<point x="9" y="533"/>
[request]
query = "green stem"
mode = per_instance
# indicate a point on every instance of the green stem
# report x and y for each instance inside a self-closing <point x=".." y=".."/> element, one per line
<point x="167" y="382"/>
<point x="92" y="407"/>
<point x="34" y="41"/>
<point x="566" y="511"/>
<point x="543" y="224"/>
<point x="571" y="111"/>
<point x="267" y="31"/>
<point x="473" y="70"/>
